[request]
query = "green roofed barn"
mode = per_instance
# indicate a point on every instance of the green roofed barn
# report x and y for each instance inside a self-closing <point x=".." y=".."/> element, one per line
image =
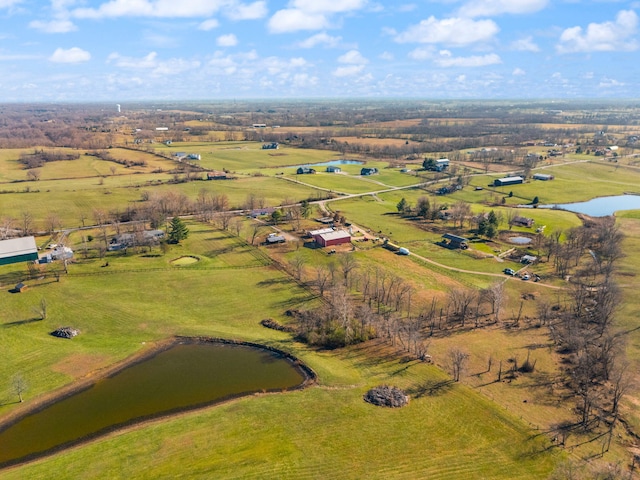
<point x="17" y="250"/>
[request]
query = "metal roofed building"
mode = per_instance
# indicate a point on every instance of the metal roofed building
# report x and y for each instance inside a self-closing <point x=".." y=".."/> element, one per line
<point x="16" y="250"/>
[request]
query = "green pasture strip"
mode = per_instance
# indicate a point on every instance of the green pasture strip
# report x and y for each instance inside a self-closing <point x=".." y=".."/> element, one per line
<point x="337" y="183"/>
<point x="323" y="433"/>
<point x="249" y="157"/>
<point x="70" y="200"/>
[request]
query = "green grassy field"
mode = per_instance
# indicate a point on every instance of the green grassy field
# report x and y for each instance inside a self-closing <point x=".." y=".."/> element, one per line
<point x="141" y="298"/>
<point x="479" y="429"/>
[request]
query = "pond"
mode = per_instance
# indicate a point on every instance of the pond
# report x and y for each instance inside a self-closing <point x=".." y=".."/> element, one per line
<point x="331" y="163"/>
<point x="602" y="206"/>
<point x="520" y="240"/>
<point x="182" y="377"/>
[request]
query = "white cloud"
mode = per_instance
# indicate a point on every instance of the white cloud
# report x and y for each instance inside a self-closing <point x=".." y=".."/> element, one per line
<point x="453" y="31"/>
<point x="310" y="14"/>
<point x="320" y="39"/>
<point x="72" y="55"/>
<point x="488" y="8"/>
<point x="353" y="57"/>
<point x="252" y="11"/>
<point x="173" y="9"/>
<point x="303" y="80"/>
<point x="328" y="6"/>
<point x="602" y="37"/>
<point x="447" y="60"/>
<point x="229" y="40"/>
<point x="388" y="56"/>
<point x="53" y="26"/>
<point x="422" y="53"/>
<point x="525" y="45"/>
<point x="610" y="83"/>
<point x="151" y="63"/>
<point x="292" y="20"/>
<point x="9" y="3"/>
<point x="518" y="72"/>
<point x="348" y="71"/>
<point x="209" y="24"/>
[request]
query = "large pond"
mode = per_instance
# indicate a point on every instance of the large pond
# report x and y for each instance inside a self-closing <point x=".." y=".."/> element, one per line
<point x="332" y="163"/>
<point x="182" y="377"/>
<point x="602" y="206"/>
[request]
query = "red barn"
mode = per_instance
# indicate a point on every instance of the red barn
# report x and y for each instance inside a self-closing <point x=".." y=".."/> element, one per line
<point x="337" y="237"/>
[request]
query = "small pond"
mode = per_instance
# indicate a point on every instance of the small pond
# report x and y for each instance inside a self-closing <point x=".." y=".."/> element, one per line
<point x="520" y="240"/>
<point x="602" y="206"/>
<point x="182" y="377"/>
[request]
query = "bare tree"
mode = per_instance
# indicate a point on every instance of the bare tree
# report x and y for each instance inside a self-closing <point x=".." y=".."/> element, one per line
<point x="322" y="278"/>
<point x="457" y="361"/>
<point x="20" y="386"/>
<point x="41" y="310"/>
<point x="34" y="174"/>
<point x="298" y="263"/>
<point x="348" y="263"/>
<point x="27" y="223"/>
<point x="52" y="222"/>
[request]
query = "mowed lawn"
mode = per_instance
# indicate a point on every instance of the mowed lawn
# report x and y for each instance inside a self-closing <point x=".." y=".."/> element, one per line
<point x="326" y="431"/>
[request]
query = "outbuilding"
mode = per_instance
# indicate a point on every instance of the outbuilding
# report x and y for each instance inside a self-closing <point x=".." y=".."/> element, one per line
<point x="336" y="237"/>
<point x="16" y="250"/>
<point x="542" y="176"/>
<point x="454" y="241"/>
<point x="501" y="182"/>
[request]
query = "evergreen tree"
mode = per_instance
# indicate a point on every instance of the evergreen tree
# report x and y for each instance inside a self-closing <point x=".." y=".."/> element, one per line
<point x="493" y="218"/>
<point x="177" y="230"/>
<point x="402" y="205"/>
<point x="482" y="227"/>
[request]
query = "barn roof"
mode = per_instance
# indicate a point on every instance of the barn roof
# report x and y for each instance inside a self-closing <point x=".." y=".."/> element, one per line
<point x="334" y="235"/>
<point x="18" y="249"/>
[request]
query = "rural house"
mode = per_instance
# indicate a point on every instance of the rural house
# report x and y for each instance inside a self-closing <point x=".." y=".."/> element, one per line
<point x="522" y="221"/>
<point x="454" y="241"/>
<point x="305" y="170"/>
<point x="270" y="146"/>
<point x="368" y="171"/>
<point x="333" y="169"/>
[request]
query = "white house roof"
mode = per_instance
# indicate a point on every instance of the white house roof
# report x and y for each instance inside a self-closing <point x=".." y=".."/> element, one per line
<point x="338" y="234"/>
<point x="17" y="246"/>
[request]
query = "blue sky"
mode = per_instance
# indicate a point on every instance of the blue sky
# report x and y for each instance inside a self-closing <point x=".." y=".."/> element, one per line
<point x="126" y="50"/>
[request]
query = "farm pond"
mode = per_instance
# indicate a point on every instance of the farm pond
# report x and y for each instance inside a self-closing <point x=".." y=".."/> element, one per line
<point x="601" y="206"/>
<point x="186" y="375"/>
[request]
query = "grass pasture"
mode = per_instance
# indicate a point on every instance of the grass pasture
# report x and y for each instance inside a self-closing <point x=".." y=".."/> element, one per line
<point x="141" y="298"/>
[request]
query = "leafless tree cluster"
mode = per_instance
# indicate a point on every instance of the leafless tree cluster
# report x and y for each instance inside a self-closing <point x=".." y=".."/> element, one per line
<point x="40" y="156"/>
<point x="584" y="331"/>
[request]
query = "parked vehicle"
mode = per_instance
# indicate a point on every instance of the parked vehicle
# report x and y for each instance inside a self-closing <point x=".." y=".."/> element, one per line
<point x="509" y="271"/>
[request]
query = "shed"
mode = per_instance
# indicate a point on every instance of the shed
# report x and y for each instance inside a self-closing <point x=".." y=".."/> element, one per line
<point x="527" y="259"/>
<point x="16" y="250"/>
<point x="337" y="237"/>
<point x="542" y="176"/>
<point x="454" y="241"/>
<point x="522" y="221"/>
<point x="274" y="238"/>
<point x="20" y="287"/>
<point x="500" y="182"/>
<point x="442" y="164"/>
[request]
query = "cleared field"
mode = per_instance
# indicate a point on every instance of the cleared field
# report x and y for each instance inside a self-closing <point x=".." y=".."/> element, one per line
<point x="140" y="298"/>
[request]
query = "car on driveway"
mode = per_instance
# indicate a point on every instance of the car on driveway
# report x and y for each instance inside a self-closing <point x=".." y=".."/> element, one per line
<point x="509" y="271"/>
